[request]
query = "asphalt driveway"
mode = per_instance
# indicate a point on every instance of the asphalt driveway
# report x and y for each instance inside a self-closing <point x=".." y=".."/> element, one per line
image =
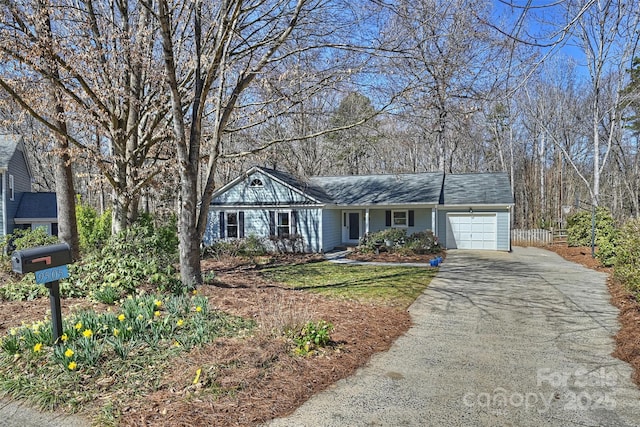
<point x="499" y="339"/>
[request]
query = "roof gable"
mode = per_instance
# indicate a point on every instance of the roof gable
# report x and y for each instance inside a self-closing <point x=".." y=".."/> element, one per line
<point x="262" y="186"/>
<point x="477" y="189"/>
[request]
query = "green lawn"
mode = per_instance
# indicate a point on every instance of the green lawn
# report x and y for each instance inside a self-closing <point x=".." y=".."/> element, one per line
<point x="389" y="285"/>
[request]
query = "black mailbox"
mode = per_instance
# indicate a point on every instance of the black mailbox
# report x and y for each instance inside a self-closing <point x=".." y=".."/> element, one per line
<point x="40" y="258"/>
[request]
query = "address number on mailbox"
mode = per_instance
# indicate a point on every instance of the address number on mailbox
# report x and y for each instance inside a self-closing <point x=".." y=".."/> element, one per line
<point x="51" y="274"/>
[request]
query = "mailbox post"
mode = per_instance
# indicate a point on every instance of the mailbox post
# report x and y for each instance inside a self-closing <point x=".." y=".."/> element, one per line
<point x="49" y="263"/>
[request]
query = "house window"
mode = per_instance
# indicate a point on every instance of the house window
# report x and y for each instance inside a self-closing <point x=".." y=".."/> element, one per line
<point x="283" y="225"/>
<point x="400" y="218"/>
<point x="11" y="188"/>
<point x="256" y="183"/>
<point x="232" y="225"/>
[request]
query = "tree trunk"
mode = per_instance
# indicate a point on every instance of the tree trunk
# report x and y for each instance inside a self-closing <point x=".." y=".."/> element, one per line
<point x="65" y="197"/>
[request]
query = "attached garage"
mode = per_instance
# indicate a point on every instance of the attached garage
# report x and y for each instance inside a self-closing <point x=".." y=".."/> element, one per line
<point x="475" y="212"/>
<point x="472" y="231"/>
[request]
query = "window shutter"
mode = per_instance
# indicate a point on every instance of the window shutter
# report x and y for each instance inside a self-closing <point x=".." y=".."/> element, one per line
<point x="387" y="221"/>
<point x="272" y="223"/>
<point x="222" y="233"/>
<point x="411" y="218"/>
<point x="294" y="222"/>
<point x="241" y="224"/>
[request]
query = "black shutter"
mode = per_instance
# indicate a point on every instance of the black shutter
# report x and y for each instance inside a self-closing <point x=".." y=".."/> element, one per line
<point x="411" y="218"/>
<point x="294" y="222"/>
<point x="387" y="221"/>
<point x="222" y="233"/>
<point x="272" y="223"/>
<point x="241" y="224"/>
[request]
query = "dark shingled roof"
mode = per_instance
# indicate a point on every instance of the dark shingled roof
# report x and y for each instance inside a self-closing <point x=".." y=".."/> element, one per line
<point x="381" y="189"/>
<point x="37" y="205"/>
<point x="477" y="188"/>
<point x="403" y="189"/>
<point x="8" y="145"/>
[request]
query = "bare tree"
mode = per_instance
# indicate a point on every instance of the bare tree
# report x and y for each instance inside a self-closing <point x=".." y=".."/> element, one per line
<point x="102" y="65"/>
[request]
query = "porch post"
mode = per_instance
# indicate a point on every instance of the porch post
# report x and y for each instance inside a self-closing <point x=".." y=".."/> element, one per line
<point x="366" y="221"/>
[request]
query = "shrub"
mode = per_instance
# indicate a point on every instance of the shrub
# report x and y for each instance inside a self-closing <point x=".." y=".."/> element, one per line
<point x="423" y="242"/>
<point x="249" y="246"/>
<point x="579" y="233"/>
<point x="312" y="336"/>
<point x="293" y="243"/>
<point x="627" y="268"/>
<point x="93" y="229"/>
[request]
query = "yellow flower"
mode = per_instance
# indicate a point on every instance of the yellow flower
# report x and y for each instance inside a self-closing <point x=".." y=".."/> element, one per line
<point x="198" y="309"/>
<point x="37" y="348"/>
<point x="69" y="353"/>
<point x="176" y="344"/>
<point x="180" y="322"/>
<point x="156" y="313"/>
<point x="140" y="317"/>
<point x="88" y="333"/>
<point x="195" y="292"/>
<point x="64" y="337"/>
<point x="13" y="332"/>
<point x="72" y="366"/>
<point x="157" y="303"/>
<point x="78" y="326"/>
<point x="122" y="317"/>
<point x="116" y="332"/>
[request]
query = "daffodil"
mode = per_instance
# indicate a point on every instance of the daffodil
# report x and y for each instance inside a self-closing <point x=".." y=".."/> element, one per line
<point x="78" y="326"/>
<point x="122" y="317"/>
<point x="87" y="333"/>
<point x="69" y="353"/>
<point x="157" y="303"/>
<point x="37" y="348"/>
<point x="116" y="332"/>
<point x="140" y="317"/>
<point x="198" y="309"/>
<point x="195" y="292"/>
<point x="156" y="313"/>
<point x="72" y="366"/>
<point x="180" y="322"/>
<point x="64" y="338"/>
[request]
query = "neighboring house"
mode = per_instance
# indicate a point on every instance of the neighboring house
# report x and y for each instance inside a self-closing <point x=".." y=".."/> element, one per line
<point x="466" y="211"/>
<point x="19" y="206"/>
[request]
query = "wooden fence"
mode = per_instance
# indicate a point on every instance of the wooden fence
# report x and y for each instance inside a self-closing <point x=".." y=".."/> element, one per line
<point x="536" y="237"/>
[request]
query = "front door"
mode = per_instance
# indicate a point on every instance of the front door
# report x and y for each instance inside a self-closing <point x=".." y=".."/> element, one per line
<point x="351" y="227"/>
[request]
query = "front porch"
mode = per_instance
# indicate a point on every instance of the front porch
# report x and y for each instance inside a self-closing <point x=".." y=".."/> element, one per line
<point x="356" y="223"/>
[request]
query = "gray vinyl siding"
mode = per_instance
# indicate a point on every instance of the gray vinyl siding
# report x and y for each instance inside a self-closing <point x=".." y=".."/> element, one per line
<point x="331" y="229"/>
<point x="503" y="225"/>
<point x="272" y="192"/>
<point x="504" y="230"/>
<point x="256" y="223"/>
<point x="422" y="219"/>
<point x="22" y="184"/>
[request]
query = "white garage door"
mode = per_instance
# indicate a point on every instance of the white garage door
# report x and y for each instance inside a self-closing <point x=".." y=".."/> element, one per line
<point x="471" y="231"/>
